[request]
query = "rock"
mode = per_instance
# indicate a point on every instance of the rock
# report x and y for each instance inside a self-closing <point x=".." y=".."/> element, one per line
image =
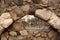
<point x="31" y="32"/>
<point x="9" y="3"/>
<point x="57" y="11"/>
<point x="17" y="26"/>
<point x="47" y="30"/>
<point x="27" y="18"/>
<point x="27" y="0"/>
<point x="23" y="32"/>
<point x="1" y="28"/>
<point x="33" y="38"/>
<point x="1" y="31"/>
<point x="44" y="2"/>
<point x="58" y="30"/>
<point x="43" y="34"/>
<point x="18" y="2"/>
<point x="12" y="33"/>
<point x="52" y="34"/>
<point x="19" y="12"/>
<point x="12" y="38"/>
<point x="54" y="21"/>
<point x="20" y="37"/>
<point x="52" y="18"/>
<point x="4" y="36"/>
<point x="37" y="1"/>
<point x="25" y="9"/>
<point x="37" y="35"/>
<point x="40" y="38"/>
<point x="53" y="4"/>
<point x="41" y="2"/>
<point x="47" y="38"/>
<point x="5" y="21"/>
<point x="43" y="13"/>
<point x="14" y="15"/>
<point x="6" y="15"/>
<point x="35" y="32"/>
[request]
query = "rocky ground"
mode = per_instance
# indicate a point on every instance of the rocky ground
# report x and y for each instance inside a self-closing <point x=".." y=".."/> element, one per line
<point x="29" y="19"/>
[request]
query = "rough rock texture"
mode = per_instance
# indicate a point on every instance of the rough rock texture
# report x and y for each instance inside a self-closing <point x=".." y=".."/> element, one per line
<point x="19" y="12"/>
<point x="30" y="19"/>
<point x="43" y="13"/>
<point x="52" y="18"/>
<point x="12" y="33"/>
<point x="5" y="21"/>
<point x="23" y="32"/>
<point x="34" y="29"/>
<point x="54" y="21"/>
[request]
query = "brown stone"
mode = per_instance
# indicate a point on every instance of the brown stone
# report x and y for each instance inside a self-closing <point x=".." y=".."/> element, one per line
<point x="37" y="35"/>
<point x="12" y="38"/>
<point x="40" y="38"/>
<point x="52" y="34"/>
<point x="4" y="36"/>
<point x="27" y="0"/>
<point x="12" y="33"/>
<point x="47" y="38"/>
<point x="17" y="26"/>
<point x="23" y="32"/>
<point x="35" y="32"/>
<point x="19" y="12"/>
<point x="5" y="21"/>
<point x="43" y="13"/>
<point x="43" y="34"/>
<point x="52" y="18"/>
<point x="54" y="21"/>
<point x="6" y="15"/>
<point x="53" y="4"/>
<point x="44" y="1"/>
<point x="14" y="15"/>
<point x="20" y="37"/>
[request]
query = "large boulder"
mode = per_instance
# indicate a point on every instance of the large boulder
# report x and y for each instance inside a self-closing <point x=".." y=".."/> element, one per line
<point x="5" y="21"/>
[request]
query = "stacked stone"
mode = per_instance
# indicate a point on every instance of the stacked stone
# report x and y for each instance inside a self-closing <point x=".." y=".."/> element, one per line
<point x="29" y="28"/>
<point x="29" y="19"/>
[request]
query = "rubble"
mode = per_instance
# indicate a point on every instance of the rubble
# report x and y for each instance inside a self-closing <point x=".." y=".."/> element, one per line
<point x="29" y="20"/>
<point x="18" y="30"/>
